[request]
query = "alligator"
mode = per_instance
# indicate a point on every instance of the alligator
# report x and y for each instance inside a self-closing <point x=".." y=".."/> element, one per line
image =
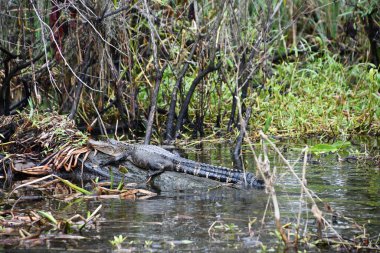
<point x="158" y="160"/>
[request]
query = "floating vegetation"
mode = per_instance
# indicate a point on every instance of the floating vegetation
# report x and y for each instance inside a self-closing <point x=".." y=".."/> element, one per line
<point x="326" y="148"/>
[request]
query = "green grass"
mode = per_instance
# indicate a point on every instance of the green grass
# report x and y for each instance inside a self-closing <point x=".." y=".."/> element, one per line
<point x="320" y="96"/>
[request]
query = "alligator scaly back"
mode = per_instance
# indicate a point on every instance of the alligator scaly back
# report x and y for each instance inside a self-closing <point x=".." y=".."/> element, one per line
<point x="219" y="173"/>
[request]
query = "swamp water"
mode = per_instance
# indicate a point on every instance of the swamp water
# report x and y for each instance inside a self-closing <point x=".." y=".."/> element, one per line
<point x="218" y="220"/>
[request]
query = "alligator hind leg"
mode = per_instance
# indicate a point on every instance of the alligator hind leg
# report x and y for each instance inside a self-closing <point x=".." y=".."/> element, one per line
<point x="154" y="174"/>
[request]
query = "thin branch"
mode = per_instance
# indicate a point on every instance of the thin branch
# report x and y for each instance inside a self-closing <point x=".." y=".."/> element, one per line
<point x="173" y="102"/>
<point x="153" y="104"/>
<point x="58" y="48"/>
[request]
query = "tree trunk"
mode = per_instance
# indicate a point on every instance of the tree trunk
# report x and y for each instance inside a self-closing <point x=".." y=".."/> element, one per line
<point x="173" y="102"/>
<point x="210" y="68"/>
<point x="153" y="105"/>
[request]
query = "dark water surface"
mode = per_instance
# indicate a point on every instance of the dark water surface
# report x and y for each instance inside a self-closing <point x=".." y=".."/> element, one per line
<point x="183" y="221"/>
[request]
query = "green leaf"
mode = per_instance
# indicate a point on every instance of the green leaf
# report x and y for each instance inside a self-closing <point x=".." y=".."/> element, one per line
<point x="75" y="187"/>
<point x="230" y="63"/>
<point x="48" y="216"/>
<point x="342" y="144"/>
<point x="268" y="122"/>
<point x="325" y="148"/>
<point x="186" y="242"/>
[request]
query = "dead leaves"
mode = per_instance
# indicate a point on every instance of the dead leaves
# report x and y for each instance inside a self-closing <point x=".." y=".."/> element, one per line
<point x="43" y="143"/>
<point x="131" y="194"/>
<point x="68" y="157"/>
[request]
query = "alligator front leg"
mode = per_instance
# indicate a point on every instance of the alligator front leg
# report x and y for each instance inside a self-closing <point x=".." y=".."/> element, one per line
<point x="111" y="160"/>
<point x="154" y="163"/>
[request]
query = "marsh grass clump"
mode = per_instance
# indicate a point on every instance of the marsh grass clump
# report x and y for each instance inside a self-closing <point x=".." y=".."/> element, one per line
<point x="41" y="143"/>
<point x="320" y="96"/>
<point x="46" y="132"/>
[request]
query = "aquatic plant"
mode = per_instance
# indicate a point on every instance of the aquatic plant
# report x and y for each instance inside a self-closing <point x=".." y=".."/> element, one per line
<point x="117" y="241"/>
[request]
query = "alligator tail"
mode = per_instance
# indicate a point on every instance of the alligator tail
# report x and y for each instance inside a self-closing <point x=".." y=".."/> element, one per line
<point x="221" y="174"/>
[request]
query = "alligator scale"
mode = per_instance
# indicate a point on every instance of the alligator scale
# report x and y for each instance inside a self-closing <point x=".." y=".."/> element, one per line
<point x="158" y="160"/>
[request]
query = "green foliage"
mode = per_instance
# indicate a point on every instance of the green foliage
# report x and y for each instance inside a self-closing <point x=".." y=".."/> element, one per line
<point x="268" y="122"/>
<point x="148" y="243"/>
<point x="30" y="108"/>
<point x="319" y="93"/>
<point x="320" y="96"/>
<point x="326" y="148"/>
<point x="117" y="241"/>
<point x="366" y="7"/>
<point x="48" y="216"/>
<point x="75" y="187"/>
<point x="230" y="228"/>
